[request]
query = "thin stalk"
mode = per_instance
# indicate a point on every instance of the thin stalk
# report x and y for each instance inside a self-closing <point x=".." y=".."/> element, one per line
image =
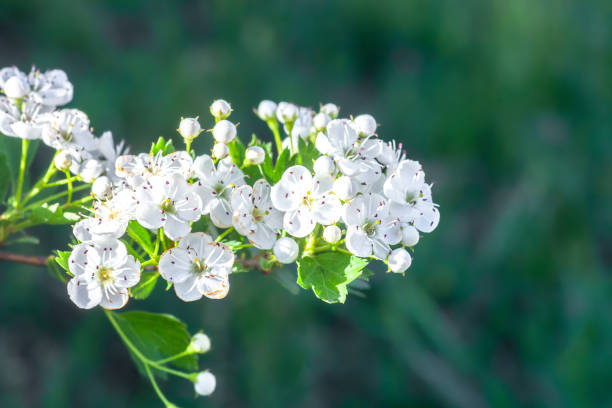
<point x="22" y="168"/>
<point x="176" y="356"/>
<point x="273" y="125"/>
<point x="224" y="233"/>
<point x="69" y="181"/>
<point x="55" y="196"/>
<point x="158" y="391"/>
<point x="140" y="242"/>
<point x="41" y="184"/>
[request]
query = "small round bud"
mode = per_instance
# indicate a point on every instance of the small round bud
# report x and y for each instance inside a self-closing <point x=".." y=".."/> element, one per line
<point x="205" y="383"/>
<point x="344" y="188"/>
<point x="324" y="166"/>
<point x="102" y="187"/>
<point x="366" y="125"/>
<point x="399" y="260"/>
<point x="16" y="87"/>
<point x="331" y="109"/>
<point x="224" y="131"/>
<point x="255" y="154"/>
<point x="321" y="120"/>
<point x="220" y="109"/>
<point x="286" y="250"/>
<point x="266" y="110"/>
<point x="332" y="234"/>
<point x="63" y="160"/>
<point x="189" y="128"/>
<point x="286" y="112"/>
<point x="220" y="151"/>
<point x="410" y="236"/>
<point x="200" y="343"/>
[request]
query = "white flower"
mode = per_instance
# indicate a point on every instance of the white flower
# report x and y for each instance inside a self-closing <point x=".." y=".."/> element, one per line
<point x="399" y="260"/>
<point x="101" y="187"/>
<point x="330" y="109"/>
<point x="24" y="121"/>
<point x="410" y="196"/>
<point x="169" y="203"/>
<point x="84" y="165"/>
<point x="324" y="166"/>
<point x="410" y="235"/>
<point x="366" y="125"/>
<point x="108" y="153"/>
<point x="220" y="109"/>
<point x="220" y="151"/>
<point x="332" y="234"/>
<point x="286" y="112"/>
<point x="390" y="155"/>
<point x="369" y="230"/>
<point x="16" y="87"/>
<point x="198" y="267"/>
<point x="286" y="250"/>
<point x="224" y="131"/>
<point x="255" y="154"/>
<point x="200" y="343"/>
<point x="345" y="188"/>
<point x="254" y="216"/>
<point x="63" y="160"/>
<point x="189" y="128"/>
<point x="66" y="128"/>
<point x="51" y="88"/>
<point x="215" y="186"/>
<point x="303" y="124"/>
<point x="138" y="169"/>
<point x="102" y="275"/>
<point x="306" y="200"/>
<point x="266" y="110"/>
<point x="320" y="121"/>
<point x="205" y="383"/>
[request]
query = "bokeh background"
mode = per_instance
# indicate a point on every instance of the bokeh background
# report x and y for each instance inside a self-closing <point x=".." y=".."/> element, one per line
<point x="507" y="104"/>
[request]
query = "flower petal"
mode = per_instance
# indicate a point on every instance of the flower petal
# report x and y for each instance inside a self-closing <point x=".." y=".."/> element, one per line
<point x="175" y="265"/>
<point x="221" y="213"/>
<point x="299" y="223"/>
<point x="358" y="243"/>
<point x="188" y="290"/>
<point x="115" y="300"/>
<point x="86" y="294"/>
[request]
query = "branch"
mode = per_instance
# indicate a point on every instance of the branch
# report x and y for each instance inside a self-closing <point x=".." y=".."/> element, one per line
<point x="25" y="259"/>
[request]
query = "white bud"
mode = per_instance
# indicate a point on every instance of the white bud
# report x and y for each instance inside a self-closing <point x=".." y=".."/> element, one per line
<point x="63" y="160"/>
<point x="286" y="112"/>
<point x="410" y="236"/>
<point x="220" y="109"/>
<point x="332" y="234"/>
<point x="399" y="260"/>
<point x="321" y="120"/>
<point x="102" y="187"/>
<point x="266" y="110"/>
<point x="205" y="383"/>
<point x="224" y="131"/>
<point x="90" y="169"/>
<point x="15" y="87"/>
<point x="331" y="109"/>
<point x="189" y="128"/>
<point x="200" y="343"/>
<point x="344" y="188"/>
<point x="255" y="154"/>
<point x="324" y="166"/>
<point x="286" y="250"/>
<point x="220" y="151"/>
<point x="366" y="125"/>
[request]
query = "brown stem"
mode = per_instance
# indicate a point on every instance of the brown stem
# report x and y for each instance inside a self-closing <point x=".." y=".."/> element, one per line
<point x="25" y="259"/>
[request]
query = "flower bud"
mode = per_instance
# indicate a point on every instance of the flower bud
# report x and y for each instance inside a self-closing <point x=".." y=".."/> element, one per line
<point x="63" y="160"/>
<point x="286" y="250"/>
<point x="344" y="188"/>
<point x="220" y="151"/>
<point x="220" y="109"/>
<point x="205" y="383"/>
<point x="189" y="128"/>
<point x="102" y="187"/>
<point x="324" y="166"/>
<point x="399" y="260"/>
<point x="331" y="109"/>
<point x="266" y="110"/>
<point x="224" y="131"/>
<point x="200" y="343"/>
<point x="16" y="87"/>
<point x="321" y="120"/>
<point x="286" y="112"/>
<point x="90" y="169"/>
<point x="332" y="234"/>
<point x="410" y="236"/>
<point x="255" y="154"/>
<point x="366" y="125"/>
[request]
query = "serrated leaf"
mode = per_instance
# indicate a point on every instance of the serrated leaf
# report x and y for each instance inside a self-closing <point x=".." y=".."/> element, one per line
<point x="157" y="336"/>
<point x="307" y="153"/>
<point x="53" y="215"/>
<point x="5" y="178"/>
<point x="169" y="147"/>
<point x="237" y="151"/>
<point x="141" y="235"/>
<point x="145" y="287"/>
<point x="329" y="273"/>
<point x="57" y="271"/>
<point x="282" y="162"/>
<point x="61" y="258"/>
<point x="268" y="168"/>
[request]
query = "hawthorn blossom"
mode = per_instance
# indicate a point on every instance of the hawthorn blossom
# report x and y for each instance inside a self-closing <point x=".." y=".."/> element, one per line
<point x="168" y="202"/>
<point x="306" y="200"/>
<point x="254" y="215"/>
<point x="198" y="267"/>
<point x="138" y="169"/>
<point x="390" y="155"/>
<point x="23" y="119"/>
<point x="215" y="186"/>
<point x="410" y="196"/>
<point x="109" y="152"/>
<point x="102" y="275"/>
<point x="369" y="228"/>
<point x="110" y="218"/>
<point x="51" y="88"/>
<point x="66" y="128"/>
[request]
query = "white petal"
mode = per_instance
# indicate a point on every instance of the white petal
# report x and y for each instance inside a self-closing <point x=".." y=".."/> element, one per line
<point x="355" y="212"/>
<point x="128" y="274"/>
<point x="285" y="196"/>
<point x="77" y="262"/>
<point x="300" y="222"/>
<point x="115" y="300"/>
<point x="221" y="213"/>
<point x="175" y="265"/>
<point x="218" y="255"/>
<point x="176" y="228"/>
<point x="427" y="219"/>
<point x="150" y="215"/>
<point x="216" y="287"/>
<point x="86" y="294"/>
<point x="327" y="209"/>
<point x="242" y="197"/>
<point x="380" y="248"/>
<point x="195" y="241"/>
<point x="358" y="243"/>
<point x="264" y="237"/>
<point x="188" y="290"/>
<point x="189" y="205"/>
<point x="261" y="194"/>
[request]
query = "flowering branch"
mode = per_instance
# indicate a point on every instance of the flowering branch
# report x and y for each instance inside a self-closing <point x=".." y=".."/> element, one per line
<point x="26" y="259"/>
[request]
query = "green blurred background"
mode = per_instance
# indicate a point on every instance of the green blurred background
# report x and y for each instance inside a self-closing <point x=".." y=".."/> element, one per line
<point x="506" y="104"/>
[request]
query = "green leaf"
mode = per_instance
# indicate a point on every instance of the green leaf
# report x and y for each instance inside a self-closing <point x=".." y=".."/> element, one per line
<point x="53" y="215"/>
<point x="307" y="153"/>
<point x="5" y="171"/>
<point x="61" y="258"/>
<point x="237" y="151"/>
<point x="169" y="147"/>
<point x="157" y="336"/>
<point x="24" y="239"/>
<point x="141" y="235"/>
<point x="282" y="162"/>
<point x="11" y="147"/>
<point x="145" y="287"/>
<point x="268" y="168"/>
<point x="328" y="274"/>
